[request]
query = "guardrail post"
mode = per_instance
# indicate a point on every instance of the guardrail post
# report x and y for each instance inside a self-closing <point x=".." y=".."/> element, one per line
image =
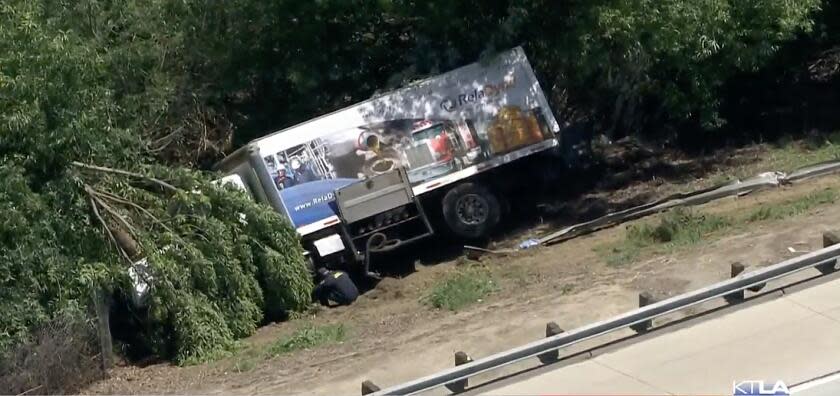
<point x="645" y="298"/>
<point x="369" y="387"/>
<point x="735" y="269"/>
<point x="829" y="239"/>
<point x="551" y="329"/>
<point x="461" y="357"/>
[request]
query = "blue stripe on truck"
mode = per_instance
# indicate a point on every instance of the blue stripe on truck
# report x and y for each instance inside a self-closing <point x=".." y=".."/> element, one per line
<point x="310" y="202"/>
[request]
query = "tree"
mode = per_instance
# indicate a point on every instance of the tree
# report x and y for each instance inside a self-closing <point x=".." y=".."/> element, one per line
<point x="83" y="200"/>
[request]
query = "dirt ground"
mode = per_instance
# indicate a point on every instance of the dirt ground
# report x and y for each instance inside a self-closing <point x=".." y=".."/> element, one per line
<point x="395" y="338"/>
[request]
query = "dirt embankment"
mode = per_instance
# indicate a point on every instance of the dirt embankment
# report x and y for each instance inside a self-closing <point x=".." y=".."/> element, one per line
<point x="394" y="337"/>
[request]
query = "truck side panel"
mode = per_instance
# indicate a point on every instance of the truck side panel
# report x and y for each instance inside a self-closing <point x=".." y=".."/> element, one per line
<point x="455" y="124"/>
<point x="265" y="181"/>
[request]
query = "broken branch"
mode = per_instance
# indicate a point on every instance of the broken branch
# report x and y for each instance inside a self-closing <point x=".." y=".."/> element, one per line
<point x="108" y="230"/>
<point x="115" y="198"/>
<point x="125" y="173"/>
<point x="120" y="218"/>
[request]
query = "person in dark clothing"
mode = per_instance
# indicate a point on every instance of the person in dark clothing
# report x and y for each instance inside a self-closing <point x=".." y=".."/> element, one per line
<point x="335" y="286"/>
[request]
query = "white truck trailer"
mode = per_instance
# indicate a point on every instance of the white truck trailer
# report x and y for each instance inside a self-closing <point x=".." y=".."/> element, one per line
<point x="362" y="179"/>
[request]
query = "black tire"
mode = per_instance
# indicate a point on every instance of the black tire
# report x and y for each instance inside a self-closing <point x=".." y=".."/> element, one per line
<point x="471" y="210"/>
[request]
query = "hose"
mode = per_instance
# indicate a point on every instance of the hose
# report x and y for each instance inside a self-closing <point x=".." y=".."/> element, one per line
<point x="378" y="242"/>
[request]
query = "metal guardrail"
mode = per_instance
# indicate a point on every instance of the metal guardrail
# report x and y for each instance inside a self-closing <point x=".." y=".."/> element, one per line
<point x="733" y="188"/>
<point x="824" y="259"/>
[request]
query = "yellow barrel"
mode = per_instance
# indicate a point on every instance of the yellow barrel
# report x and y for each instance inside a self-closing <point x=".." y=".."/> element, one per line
<point x="534" y="130"/>
<point x="496" y="135"/>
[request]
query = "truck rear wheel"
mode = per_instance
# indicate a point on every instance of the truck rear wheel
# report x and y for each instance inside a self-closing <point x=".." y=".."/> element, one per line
<point x="471" y="210"/>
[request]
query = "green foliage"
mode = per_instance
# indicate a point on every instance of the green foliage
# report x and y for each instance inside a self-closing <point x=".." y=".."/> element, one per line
<point x="83" y="198"/>
<point x="214" y="275"/>
<point x="677" y="227"/>
<point x="680" y="53"/>
<point x="683" y="227"/>
<point x="792" y="207"/>
<point x="190" y="74"/>
<point x="460" y="289"/>
<point x="307" y="337"/>
<point x="200" y="330"/>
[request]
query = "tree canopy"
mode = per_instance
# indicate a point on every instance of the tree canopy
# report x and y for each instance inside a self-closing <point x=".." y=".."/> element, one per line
<point x="84" y="198"/>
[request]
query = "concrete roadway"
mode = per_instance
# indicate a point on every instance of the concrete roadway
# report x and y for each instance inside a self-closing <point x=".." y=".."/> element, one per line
<point x="794" y="338"/>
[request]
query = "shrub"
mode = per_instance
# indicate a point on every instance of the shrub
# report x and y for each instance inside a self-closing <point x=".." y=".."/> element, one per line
<point x="60" y="357"/>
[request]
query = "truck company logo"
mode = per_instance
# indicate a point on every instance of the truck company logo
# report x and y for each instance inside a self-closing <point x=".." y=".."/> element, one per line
<point x="757" y="387"/>
<point x="328" y="197"/>
<point x="489" y="90"/>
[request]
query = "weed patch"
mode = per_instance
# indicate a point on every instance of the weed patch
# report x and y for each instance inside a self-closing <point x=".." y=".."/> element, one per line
<point x="792" y="207"/>
<point x="790" y="155"/>
<point x="308" y="337"/>
<point x="683" y="227"/>
<point x="245" y="364"/>
<point x="457" y="291"/>
<point x="619" y="253"/>
<point x="678" y="227"/>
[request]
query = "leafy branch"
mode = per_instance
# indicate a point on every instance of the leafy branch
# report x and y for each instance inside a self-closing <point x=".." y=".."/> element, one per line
<point x="156" y="181"/>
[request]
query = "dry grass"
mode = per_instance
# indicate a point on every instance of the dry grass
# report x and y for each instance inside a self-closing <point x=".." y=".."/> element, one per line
<point x="61" y="358"/>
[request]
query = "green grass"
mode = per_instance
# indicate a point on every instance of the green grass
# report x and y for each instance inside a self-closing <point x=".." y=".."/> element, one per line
<point x="248" y="359"/>
<point x="787" y="155"/>
<point x="683" y="227"/>
<point x="619" y="253"/>
<point x="461" y="289"/>
<point x="792" y="208"/>
<point x="676" y="228"/>
<point x="308" y="337"/>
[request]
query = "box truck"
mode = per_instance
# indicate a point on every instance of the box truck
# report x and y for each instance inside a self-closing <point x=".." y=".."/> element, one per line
<point x="365" y="178"/>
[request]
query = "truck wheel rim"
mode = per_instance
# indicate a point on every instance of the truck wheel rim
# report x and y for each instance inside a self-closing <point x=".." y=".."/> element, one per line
<point x="472" y="209"/>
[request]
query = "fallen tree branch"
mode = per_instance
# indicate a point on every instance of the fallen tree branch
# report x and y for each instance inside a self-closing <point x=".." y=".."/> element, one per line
<point x="126" y="173"/>
<point x="108" y="230"/>
<point x="120" y="218"/>
<point x="118" y="199"/>
<point x="162" y="143"/>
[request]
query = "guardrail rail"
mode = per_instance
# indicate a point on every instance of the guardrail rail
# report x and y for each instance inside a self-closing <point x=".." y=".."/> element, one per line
<point x="824" y="260"/>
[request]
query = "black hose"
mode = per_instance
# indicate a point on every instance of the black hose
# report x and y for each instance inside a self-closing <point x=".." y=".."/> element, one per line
<point x="381" y="244"/>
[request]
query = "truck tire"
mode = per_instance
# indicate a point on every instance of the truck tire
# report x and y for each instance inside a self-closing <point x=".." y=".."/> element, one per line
<point x="471" y="210"/>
